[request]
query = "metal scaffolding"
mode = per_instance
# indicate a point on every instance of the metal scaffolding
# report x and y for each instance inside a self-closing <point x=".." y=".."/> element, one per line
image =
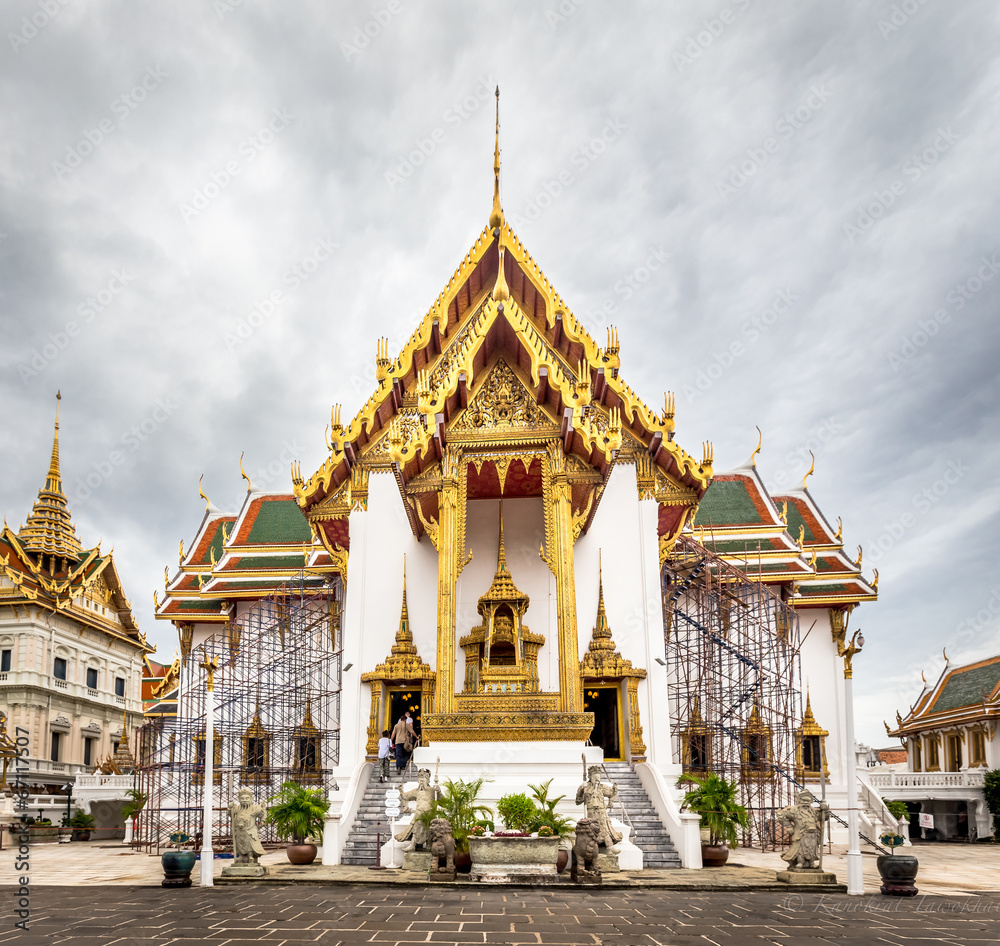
<point x="734" y="682"/>
<point x="277" y="713"/>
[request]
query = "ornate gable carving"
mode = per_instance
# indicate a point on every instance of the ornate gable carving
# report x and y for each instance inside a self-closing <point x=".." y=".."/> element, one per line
<point x="502" y="403"/>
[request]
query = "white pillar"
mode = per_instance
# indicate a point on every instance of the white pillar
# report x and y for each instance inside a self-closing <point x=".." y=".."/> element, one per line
<point x="855" y="875"/>
<point x="207" y="854"/>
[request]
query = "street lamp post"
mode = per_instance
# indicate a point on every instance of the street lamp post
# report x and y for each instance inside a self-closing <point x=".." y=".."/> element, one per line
<point x="209" y="665"/>
<point x="855" y="873"/>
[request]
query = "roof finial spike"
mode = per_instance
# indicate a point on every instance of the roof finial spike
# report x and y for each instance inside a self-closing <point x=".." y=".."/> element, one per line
<point x="756" y="450"/>
<point x="53" y="481"/>
<point x="812" y="469"/>
<point x="496" y="215"/>
<point x="243" y="473"/>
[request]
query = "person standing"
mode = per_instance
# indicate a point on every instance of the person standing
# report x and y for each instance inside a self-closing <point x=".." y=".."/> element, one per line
<point x="384" y="749"/>
<point x="402" y="736"/>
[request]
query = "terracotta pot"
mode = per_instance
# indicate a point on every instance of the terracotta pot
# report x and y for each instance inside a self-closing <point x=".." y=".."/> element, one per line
<point x="463" y="862"/>
<point x="301" y="853"/>
<point x="177" y="866"/>
<point x="714" y="855"/>
<point x="562" y="860"/>
<point x="898" y="871"/>
<point x="81" y="835"/>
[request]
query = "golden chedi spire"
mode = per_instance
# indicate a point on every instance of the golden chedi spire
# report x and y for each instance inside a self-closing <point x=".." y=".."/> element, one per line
<point x="503" y="587"/>
<point x="496" y="215"/>
<point x="49" y="529"/>
<point x="404" y="636"/>
<point x="601" y="635"/>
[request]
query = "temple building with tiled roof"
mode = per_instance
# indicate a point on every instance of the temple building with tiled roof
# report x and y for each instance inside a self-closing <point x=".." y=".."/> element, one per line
<point x="72" y="654"/>
<point x="951" y="739"/>
<point x="536" y="499"/>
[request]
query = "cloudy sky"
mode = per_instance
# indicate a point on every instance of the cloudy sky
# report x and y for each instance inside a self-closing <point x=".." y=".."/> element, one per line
<point x="166" y="168"/>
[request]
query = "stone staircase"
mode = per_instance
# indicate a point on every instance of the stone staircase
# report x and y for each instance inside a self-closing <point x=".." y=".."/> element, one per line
<point x="360" y="846"/>
<point x="648" y="833"/>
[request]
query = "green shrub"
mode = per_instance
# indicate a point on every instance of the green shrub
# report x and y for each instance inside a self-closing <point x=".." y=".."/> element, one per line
<point x="897" y="808"/>
<point x="299" y="812"/>
<point x="991" y="791"/>
<point x="517" y="811"/>
<point x="545" y="810"/>
<point x="715" y="799"/>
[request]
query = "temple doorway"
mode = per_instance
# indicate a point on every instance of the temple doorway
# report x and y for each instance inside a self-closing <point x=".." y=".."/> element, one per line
<point x="605" y="703"/>
<point x="399" y="702"/>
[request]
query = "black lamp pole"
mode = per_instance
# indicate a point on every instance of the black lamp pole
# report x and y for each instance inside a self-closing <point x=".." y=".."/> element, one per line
<point x="68" y="787"/>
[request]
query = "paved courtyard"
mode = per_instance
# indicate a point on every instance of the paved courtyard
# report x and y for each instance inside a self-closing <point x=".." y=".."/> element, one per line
<point x="150" y="916"/>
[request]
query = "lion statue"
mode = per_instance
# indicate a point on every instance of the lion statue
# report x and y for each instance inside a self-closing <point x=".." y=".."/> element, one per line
<point x="442" y="848"/>
<point x="585" y="850"/>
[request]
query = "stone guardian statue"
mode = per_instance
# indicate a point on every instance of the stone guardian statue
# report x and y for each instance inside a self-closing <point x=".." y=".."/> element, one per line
<point x="423" y="798"/>
<point x="246" y="816"/>
<point x="598" y="797"/>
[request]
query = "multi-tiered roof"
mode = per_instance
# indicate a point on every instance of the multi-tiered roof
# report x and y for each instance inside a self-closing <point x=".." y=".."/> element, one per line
<point x="45" y="564"/>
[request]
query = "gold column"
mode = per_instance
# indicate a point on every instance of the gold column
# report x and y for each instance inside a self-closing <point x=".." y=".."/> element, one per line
<point x="448" y="569"/>
<point x="570" y="693"/>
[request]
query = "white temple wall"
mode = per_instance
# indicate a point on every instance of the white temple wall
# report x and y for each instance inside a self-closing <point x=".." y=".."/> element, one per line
<point x="624" y="532"/>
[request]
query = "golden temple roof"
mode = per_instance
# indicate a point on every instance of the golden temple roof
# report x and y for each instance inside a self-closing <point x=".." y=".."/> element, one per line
<point x="49" y="528"/>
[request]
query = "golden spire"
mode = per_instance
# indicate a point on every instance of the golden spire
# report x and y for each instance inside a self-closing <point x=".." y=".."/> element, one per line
<point x="404" y="636"/>
<point x="808" y="717"/>
<point x="501" y="552"/>
<point x="49" y="528"/>
<point x="602" y="633"/>
<point x="756" y="450"/>
<point x="812" y="469"/>
<point x="496" y="215"/>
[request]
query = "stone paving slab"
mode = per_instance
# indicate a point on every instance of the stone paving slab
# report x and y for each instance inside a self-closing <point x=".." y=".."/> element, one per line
<point x="149" y="916"/>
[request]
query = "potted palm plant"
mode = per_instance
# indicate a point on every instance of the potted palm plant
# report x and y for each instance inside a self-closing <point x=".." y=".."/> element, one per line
<point x="458" y="803"/>
<point x="82" y="824"/>
<point x="547" y="822"/>
<point x="716" y="800"/>
<point x="298" y="813"/>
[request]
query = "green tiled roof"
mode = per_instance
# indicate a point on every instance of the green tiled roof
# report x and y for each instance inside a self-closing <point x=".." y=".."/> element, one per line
<point x="197" y="606"/>
<point x="728" y="546"/>
<point x="966" y="687"/>
<point x="251" y="563"/>
<point x="818" y="588"/>
<point x="279" y="521"/>
<point x="727" y="503"/>
<point x="216" y="544"/>
<point x="795" y="520"/>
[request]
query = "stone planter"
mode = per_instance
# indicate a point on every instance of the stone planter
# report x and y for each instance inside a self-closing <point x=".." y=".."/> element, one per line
<point x="898" y="871"/>
<point x="514" y="860"/>
<point x="43" y="835"/>
<point x="301" y="853"/>
<point x="177" y="867"/>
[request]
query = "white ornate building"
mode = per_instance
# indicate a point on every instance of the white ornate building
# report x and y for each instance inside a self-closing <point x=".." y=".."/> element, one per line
<point x="70" y="651"/>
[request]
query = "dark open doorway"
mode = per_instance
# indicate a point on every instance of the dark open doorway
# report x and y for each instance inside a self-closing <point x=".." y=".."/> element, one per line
<point x="399" y="702"/>
<point x="604" y="702"/>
